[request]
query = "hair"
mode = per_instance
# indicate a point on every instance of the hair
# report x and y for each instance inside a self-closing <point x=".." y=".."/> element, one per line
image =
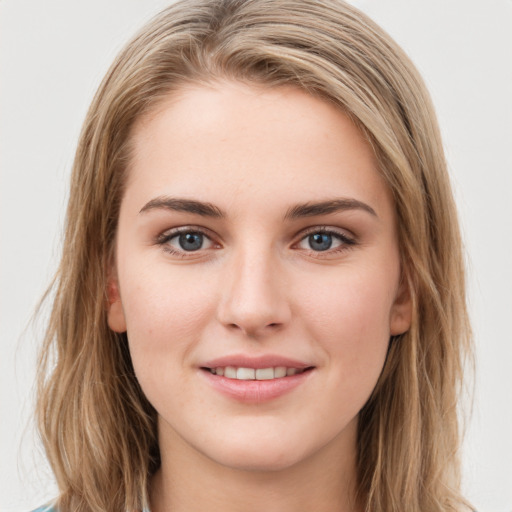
<point x="98" y="428"/>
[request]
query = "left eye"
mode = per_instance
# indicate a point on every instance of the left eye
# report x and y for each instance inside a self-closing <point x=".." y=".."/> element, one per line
<point x="189" y="241"/>
<point x="320" y="241"/>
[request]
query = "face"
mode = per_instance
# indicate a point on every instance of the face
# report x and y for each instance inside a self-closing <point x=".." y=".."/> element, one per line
<point x="257" y="274"/>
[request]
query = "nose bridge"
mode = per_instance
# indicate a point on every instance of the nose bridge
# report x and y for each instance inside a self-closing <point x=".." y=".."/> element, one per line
<point x="253" y="295"/>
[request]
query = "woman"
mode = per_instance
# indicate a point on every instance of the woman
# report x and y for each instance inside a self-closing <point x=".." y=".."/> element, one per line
<point x="261" y="296"/>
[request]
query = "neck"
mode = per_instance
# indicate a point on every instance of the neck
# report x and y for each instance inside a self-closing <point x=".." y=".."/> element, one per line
<point x="188" y="481"/>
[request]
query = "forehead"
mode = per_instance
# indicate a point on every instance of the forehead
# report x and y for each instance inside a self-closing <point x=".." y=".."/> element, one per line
<point x="226" y="140"/>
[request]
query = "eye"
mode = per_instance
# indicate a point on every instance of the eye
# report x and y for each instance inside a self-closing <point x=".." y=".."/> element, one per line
<point x="182" y="240"/>
<point x="320" y="241"/>
<point x="323" y="239"/>
<point x="188" y="241"/>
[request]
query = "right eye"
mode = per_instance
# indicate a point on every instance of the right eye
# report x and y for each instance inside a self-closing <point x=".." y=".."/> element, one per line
<point x="188" y="241"/>
<point x="181" y="241"/>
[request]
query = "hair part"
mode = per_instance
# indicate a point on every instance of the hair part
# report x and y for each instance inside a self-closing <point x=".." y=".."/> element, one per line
<point x="97" y="426"/>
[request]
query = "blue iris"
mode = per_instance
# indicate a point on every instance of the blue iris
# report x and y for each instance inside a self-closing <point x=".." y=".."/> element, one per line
<point x="320" y="241"/>
<point x="191" y="241"/>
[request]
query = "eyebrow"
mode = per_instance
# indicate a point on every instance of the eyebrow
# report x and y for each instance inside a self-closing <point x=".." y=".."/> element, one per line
<point x="184" y="205"/>
<point x="311" y="209"/>
<point x="205" y="209"/>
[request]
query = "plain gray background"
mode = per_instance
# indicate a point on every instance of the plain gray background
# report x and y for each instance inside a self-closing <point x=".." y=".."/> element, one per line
<point x="53" y="55"/>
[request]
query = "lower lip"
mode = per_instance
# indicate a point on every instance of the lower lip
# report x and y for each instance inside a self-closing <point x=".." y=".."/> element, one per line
<point x="255" y="391"/>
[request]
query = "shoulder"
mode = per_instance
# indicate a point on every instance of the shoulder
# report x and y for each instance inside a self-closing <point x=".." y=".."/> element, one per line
<point x="45" y="508"/>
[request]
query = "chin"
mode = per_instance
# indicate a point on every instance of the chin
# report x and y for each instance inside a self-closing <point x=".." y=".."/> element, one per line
<point x="255" y="462"/>
<point x="258" y="456"/>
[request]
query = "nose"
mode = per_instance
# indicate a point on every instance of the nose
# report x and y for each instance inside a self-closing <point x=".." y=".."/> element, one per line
<point x="253" y="296"/>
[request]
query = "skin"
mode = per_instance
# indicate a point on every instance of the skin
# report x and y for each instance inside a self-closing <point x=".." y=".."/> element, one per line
<point x="256" y="286"/>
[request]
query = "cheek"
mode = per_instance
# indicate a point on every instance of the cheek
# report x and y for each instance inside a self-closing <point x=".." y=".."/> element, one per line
<point x="165" y="314"/>
<point x="349" y="317"/>
<point x="164" y="310"/>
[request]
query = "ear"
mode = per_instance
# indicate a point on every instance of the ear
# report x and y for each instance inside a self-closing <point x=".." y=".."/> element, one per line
<point x="401" y="312"/>
<point x="115" y="314"/>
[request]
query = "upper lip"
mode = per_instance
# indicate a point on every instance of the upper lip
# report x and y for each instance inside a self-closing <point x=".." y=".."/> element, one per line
<point x="263" y="361"/>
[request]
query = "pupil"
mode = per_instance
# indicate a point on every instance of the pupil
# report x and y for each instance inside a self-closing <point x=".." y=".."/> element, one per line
<point x="320" y="241"/>
<point x="191" y="241"/>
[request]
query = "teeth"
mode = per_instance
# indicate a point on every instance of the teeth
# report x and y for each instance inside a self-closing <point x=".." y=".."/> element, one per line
<point x="264" y="373"/>
<point x="232" y="372"/>
<point x="245" y="373"/>
<point x="280" y="371"/>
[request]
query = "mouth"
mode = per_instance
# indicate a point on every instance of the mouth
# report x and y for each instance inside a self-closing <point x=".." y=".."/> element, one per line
<point x="251" y="379"/>
<point x="244" y="373"/>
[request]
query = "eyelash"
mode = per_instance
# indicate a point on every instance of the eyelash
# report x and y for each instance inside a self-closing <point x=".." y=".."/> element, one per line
<point x="167" y="236"/>
<point x="346" y="241"/>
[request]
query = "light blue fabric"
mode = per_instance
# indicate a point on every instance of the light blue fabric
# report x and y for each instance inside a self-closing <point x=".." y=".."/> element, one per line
<point x="45" y="508"/>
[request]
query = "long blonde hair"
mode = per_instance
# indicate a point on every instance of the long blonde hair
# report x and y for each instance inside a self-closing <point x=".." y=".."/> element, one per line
<point x="98" y="428"/>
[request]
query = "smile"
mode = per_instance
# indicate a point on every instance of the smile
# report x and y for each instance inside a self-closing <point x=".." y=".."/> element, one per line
<point x="254" y="379"/>
<point x="241" y="373"/>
